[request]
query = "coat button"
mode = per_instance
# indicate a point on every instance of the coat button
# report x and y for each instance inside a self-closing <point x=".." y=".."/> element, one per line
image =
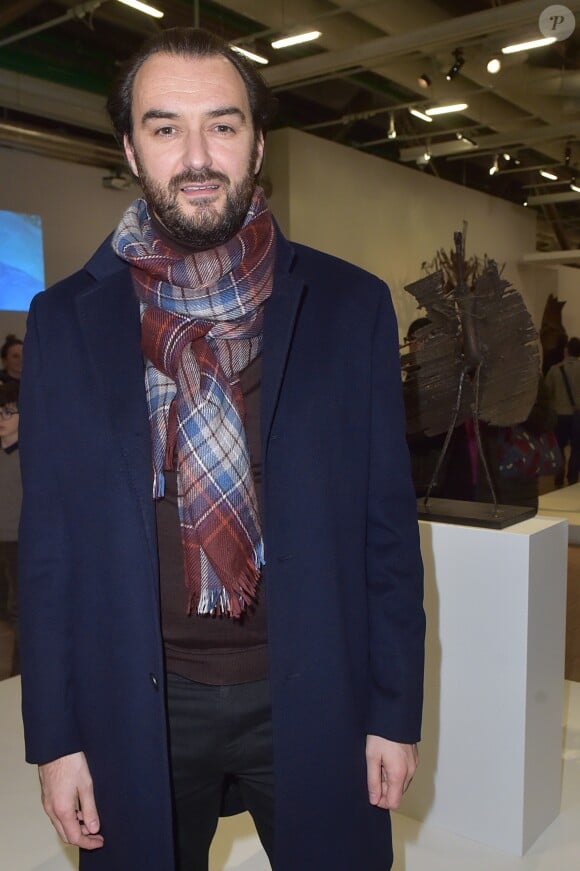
<point x="154" y="681"/>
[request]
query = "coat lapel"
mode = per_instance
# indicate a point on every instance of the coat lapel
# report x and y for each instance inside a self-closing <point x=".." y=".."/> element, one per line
<point x="279" y="319"/>
<point x="109" y="317"/>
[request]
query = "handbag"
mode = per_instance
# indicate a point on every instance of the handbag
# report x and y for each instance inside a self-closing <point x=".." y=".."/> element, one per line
<point x="575" y="408"/>
<point x="523" y="454"/>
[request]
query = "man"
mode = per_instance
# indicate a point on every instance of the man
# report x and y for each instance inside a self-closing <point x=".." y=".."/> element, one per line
<point x="563" y="384"/>
<point x="230" y="400"/>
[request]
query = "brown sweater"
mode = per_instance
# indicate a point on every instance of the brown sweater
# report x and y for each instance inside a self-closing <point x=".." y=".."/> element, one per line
<point x="211" y="649"/>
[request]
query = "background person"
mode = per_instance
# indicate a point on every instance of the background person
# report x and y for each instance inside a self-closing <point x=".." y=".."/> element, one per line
<point x="11" y="356"/>
<point x="567" y="433"/>
<point x="10" y="503"/>
<point x="162" y="661"/>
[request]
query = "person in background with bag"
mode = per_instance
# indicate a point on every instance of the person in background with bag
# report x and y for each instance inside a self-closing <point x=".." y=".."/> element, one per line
<point x="563" y="383"/>
<point x="518" y="455"/>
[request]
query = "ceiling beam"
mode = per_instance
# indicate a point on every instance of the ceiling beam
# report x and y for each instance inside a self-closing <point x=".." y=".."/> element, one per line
<point x="551" y="258"/>
<point x="529" y="136"/>
<point x="562" y="197"/>
<point x="435" y="36"/>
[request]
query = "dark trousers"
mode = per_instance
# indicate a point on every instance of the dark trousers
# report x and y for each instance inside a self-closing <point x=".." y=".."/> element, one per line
<point x="218" y="733"/>
<point x="566" y="434"/>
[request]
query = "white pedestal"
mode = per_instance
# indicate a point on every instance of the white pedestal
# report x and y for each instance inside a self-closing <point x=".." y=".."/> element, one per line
<point x="492" y="738"/>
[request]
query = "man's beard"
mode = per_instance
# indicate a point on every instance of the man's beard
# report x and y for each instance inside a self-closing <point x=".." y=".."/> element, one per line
<point x="202" y="226"/>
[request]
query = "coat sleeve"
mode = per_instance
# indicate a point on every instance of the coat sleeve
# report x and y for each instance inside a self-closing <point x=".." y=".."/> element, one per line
<point x="45" y="576"/>
<point x="393" y="559"/>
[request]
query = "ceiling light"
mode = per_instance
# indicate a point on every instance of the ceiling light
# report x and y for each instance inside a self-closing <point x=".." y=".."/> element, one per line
<point x="495" y="166"/>
<point x="250" y="54"/>
<point x="567" y="155"/>
<point x="574" y="187"/>
<point x="424" y="81"/>
<point x="493" y="65"/>
<point x="143" y="7"/>
<point x="296" y="40"/>
<point x="445" y="110"/>
<point x="525" y="203"/>
<point x="456" y="65"/>
<point x="549" y="175"/>
<point x="418" y="114"/>
<point x="392" y="134"/>
<point x="463" y="138"/>
<point x="524" y="46"/>
<point x="506" y="156"/>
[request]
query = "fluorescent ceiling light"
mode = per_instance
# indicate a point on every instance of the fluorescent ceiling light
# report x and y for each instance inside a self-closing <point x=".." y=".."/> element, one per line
<point x="296" y="40"/>
<point x="524" y="46"/>
<point x="143" y="7"/>
<point x="548" y="175"/>
<point x="250" y="54"/>
<point x="420" y="115"/>
<point x="444" y="110"/>
<point x="575" y="188"/>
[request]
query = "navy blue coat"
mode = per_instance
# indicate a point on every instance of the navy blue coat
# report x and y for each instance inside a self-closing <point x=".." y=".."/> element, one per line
<point x="344" y="575"/>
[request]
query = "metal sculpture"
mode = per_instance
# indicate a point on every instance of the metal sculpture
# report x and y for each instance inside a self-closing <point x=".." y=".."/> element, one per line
<point x="478" y="358"/>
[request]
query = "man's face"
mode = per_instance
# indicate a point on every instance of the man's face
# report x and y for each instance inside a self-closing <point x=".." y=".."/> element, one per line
<point x="194" y="148"/>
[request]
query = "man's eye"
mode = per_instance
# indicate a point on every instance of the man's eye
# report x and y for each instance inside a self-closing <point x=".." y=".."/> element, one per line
<point x="224" y="128"/>
<point x="165" y="131"/>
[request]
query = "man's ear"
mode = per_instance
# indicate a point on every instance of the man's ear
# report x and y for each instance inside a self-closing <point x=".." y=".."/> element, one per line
<point x="130" y="155"/>
<point x="259" y="152"/>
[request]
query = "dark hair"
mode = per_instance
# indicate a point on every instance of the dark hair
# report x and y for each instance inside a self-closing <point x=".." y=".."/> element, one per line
<point x="187" y="42"/>
<point x="573" y="347"/>
<point x="10" y="340"/>
<point x="9" y="391"/>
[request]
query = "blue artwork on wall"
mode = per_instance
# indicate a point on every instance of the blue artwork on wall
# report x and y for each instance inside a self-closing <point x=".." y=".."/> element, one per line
<point x="21" y="260"/>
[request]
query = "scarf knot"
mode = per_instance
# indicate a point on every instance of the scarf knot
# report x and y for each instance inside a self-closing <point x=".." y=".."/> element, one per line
<point x="201" y="324"/>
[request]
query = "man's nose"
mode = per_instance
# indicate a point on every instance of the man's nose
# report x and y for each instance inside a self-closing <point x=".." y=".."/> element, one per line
<point x="196" y="151"/>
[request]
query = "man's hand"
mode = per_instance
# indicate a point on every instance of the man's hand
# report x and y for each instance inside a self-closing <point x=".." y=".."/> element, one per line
<point x="67" y="798"/>
<point x="390" y="770"/>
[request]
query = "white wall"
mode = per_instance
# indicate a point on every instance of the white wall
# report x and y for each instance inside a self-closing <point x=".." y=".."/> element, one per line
<point x="383" y="216"/>
<point x="569" y="290"/>
<point x="77" y="212"/>
<point x="389" y="218"/>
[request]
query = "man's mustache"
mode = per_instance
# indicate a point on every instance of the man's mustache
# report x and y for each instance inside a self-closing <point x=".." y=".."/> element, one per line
<point x="189" y="176"/>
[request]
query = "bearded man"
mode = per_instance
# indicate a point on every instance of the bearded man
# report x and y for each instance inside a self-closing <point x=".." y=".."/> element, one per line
<point x="220" y="570"/>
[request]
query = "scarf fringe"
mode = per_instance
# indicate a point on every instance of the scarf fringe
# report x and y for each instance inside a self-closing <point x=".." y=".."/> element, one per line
<point x="220" y="601"/>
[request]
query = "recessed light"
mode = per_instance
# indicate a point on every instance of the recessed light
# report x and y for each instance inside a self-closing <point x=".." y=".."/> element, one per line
<point x="525" y="46"/>
<point x="286" y="41"/>
<point x="418" y="114"/>
<point x="143" y="7"/>
<point x="250" y="54"/>
<point x="445" y="110"/>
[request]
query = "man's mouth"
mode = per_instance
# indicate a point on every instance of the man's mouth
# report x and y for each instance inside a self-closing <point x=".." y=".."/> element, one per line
<point x="200" y="187"/>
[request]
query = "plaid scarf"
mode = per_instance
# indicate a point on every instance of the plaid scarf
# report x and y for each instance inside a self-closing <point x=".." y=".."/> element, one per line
<point x="201" y="320"/>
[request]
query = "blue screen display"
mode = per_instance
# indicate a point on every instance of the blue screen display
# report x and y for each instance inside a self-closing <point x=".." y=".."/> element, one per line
<point x="21" y="260"/>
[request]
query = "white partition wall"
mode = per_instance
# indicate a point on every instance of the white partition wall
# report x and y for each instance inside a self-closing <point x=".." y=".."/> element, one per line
<point x="492" y="737"/>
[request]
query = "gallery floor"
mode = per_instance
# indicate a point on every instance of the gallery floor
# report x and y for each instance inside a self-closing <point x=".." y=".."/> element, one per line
<point x="28" y="843"/>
